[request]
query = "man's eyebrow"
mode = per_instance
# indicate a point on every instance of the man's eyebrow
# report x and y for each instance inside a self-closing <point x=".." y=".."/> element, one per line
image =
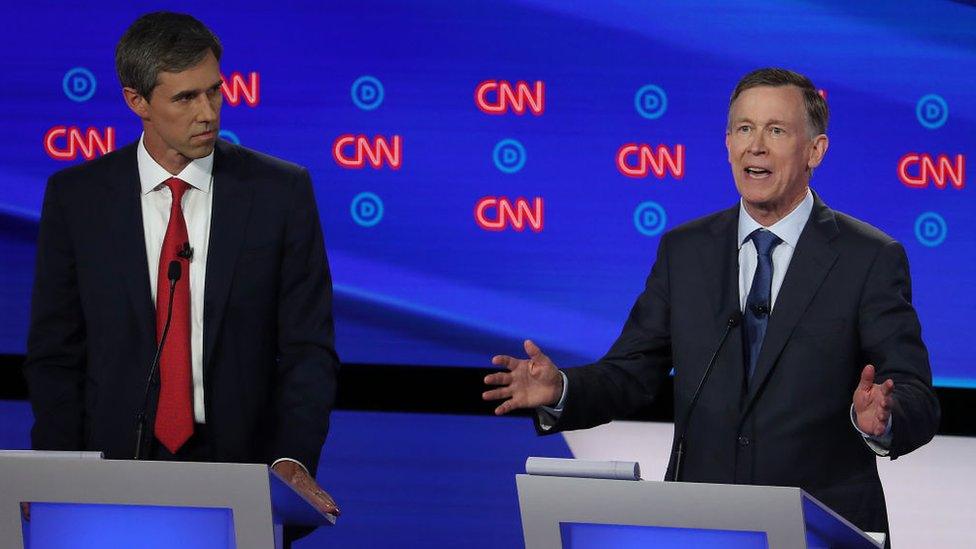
<point x="195" y="92"/>
<point x="185" y="93"/>
<point x="770" y="122"/>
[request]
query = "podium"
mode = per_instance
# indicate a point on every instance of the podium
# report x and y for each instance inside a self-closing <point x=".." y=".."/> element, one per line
<point x="94" y="502"/>
<point x="581" y="513"/>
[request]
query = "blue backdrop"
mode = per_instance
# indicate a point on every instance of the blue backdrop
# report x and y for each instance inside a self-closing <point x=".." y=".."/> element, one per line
<point x="470" y="158"/>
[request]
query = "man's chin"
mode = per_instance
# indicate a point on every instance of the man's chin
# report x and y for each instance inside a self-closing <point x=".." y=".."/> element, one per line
<point x="200" y="150"/>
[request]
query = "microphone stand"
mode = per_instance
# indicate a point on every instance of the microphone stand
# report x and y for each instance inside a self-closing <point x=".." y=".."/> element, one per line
<point x="733" y="321"/>
<point x="173" y="275"/>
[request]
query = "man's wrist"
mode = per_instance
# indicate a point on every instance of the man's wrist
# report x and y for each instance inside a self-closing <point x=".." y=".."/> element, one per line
<point x="880" y="444"/>
<point x="559" y="392"/>
<point x="290" y="460"/>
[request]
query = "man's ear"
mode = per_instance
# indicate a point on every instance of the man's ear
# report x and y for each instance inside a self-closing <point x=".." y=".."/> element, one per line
<point x="817" y="151"/>
<point x="136" y="102"/>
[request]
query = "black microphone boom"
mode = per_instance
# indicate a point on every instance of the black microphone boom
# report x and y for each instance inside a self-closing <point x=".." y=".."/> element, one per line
<point x="173" y="274"/>
<point x="733" y="321"/>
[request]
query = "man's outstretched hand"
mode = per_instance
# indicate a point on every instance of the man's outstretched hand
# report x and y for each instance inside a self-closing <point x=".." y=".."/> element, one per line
<point x="528" y="383"/>
<point x="872" y="403"/>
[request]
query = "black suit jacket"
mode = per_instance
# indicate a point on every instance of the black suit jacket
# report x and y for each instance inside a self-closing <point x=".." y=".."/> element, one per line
<point x="845" y="302"/>
<point x="269" y="364"/>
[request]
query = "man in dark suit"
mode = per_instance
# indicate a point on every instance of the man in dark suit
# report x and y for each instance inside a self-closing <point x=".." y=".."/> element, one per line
<point x="220" y="243"/>
<point x="823" y="370"/>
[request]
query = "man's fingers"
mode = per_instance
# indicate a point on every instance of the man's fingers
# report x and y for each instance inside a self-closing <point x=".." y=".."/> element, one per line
<point x="867" y="378"/>
<point x="504" y="361"/>
<point x="318" y="496"/>
<point x="325" y="503"/>
<point x="504" y="408"/>
<point x="532" y="349"/>
<point x="497" y="394"/>
<point x="25" y="510"/>
<point x="887" y="387"/>
<point x="498" y="378"/>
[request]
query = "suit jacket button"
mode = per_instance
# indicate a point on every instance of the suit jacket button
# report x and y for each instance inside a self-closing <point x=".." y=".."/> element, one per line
<point x="743" y="441"/>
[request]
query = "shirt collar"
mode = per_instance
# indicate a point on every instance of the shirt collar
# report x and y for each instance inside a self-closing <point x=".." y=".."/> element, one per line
<point x="198" y="173"/>
<point x="787" y="229"/>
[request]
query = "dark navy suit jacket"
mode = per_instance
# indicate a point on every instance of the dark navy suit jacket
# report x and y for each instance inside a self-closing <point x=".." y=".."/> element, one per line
<point x="845" y="302"/>
<point x="269" y="364"/>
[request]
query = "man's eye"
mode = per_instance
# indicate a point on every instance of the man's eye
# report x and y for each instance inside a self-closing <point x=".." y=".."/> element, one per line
<point x="778" y="131"/>
<point x="743" y="129"/>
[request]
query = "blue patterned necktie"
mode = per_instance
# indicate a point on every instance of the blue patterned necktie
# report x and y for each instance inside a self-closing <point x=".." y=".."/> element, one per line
<point x="759" y="301"/>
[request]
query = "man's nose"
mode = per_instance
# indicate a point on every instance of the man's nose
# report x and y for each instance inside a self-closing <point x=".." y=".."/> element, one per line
<point x="206" y="111"/>
<point x="757" y="145"/>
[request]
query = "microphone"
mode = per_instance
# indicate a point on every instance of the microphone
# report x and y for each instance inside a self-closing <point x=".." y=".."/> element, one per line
<point x="759" y="309"/>
<point x="173" y="274"/>
<point x="733" y="321"/>
<point x="185" y="252"/>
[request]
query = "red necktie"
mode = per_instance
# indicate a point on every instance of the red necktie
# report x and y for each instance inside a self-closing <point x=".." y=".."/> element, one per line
<point x="174" y="413"/>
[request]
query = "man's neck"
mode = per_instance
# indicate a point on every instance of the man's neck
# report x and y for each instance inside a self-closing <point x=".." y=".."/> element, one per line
<point x="171" y="160"/>
<point x="767" y="217"/>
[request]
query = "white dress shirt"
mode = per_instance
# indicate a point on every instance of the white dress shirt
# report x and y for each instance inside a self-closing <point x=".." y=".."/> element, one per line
<point x="156" y="200"/>
<point x="787" y="229"/>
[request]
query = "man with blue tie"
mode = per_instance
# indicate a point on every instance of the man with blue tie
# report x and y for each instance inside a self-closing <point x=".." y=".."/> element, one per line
<point x="821" y="368"/>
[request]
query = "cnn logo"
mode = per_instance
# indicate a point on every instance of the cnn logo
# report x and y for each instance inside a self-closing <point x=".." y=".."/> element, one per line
<point x="501" y="96"/>
<point x="499" y="213"/>
<point x="68" y="142"/>
<point x="237" y="89"/>
<point x="919" y="170"/>
<point x="640" y="160"/>
<point x="357" y="151"/>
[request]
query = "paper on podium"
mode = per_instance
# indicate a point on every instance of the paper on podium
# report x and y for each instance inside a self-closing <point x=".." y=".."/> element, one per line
<point x="50" y="454"/>
<point x="558" y="467"/>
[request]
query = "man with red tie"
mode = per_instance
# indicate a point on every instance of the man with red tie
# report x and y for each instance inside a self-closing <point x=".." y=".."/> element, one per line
<point x="218" y="246"/>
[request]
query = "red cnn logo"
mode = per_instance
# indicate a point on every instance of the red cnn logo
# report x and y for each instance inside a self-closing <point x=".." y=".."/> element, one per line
<point x="638" y="161"/>
<point x="65" y="142"/>
<point x="355" y="151"/>
<point x="929" y="171"/>
<point x="237" y="87"/>
<point x="497" y="213"/>
<point x="498" y="96"/>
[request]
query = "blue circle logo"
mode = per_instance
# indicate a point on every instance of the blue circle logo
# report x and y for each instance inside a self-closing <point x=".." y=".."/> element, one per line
<point x="79" y="84"/>
<point x="228" y="135"/>
<point x="366" y="209"/>
<point x="931" y="229"/>
<point x="367" y="93"/>
<point x="650" y="218"/>
<point x="509" y="156"/>
<point x="932" y="111"/>
<point x="651" y="102"/>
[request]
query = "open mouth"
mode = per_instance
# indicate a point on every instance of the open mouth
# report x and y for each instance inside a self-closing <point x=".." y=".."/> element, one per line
<point x="757" y="173"/>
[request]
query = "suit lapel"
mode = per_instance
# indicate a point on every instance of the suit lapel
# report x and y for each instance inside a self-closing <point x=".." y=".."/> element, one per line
<point x="812" y="260"/>
<point x="128" y="238"/>
<point x="723" y="273"/>
<point x="231" y="207"/>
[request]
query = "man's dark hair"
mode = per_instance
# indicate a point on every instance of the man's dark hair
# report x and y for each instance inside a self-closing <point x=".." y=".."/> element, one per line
<point x="817" y="113"/>
<point x="161" y="41"/>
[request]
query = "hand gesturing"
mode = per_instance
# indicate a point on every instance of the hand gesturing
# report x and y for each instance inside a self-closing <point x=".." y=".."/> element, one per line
<point x="872" y="403"/>
<point x="528" y="383"/>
